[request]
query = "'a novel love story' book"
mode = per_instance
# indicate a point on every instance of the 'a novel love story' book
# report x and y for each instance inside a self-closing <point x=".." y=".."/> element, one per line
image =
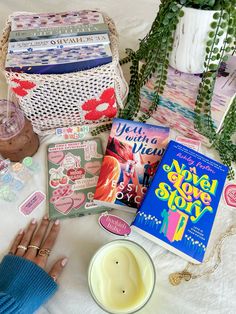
<point x="73" y="170"/>
<point x="133" y="152"/>
<point x="180" y="206"/>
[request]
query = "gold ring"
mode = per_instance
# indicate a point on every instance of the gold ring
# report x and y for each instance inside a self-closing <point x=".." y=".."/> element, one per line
<point x="33" y="247"/>
<point x="22" y="247"/>
<point x="44" y="252"/>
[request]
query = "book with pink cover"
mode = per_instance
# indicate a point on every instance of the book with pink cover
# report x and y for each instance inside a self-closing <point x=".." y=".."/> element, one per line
<point x="133" y="153"/>
<point x="176" y="107"/>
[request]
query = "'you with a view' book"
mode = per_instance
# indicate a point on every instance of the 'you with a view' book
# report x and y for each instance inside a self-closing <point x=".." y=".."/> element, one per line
<point x="179" y="208"/>
<point x="133" y="153"/>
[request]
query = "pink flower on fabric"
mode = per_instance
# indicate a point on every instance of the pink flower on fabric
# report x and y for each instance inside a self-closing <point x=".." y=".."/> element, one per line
<point x="105" y="106"/>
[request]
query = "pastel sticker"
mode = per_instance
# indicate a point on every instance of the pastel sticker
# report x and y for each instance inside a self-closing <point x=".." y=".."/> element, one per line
<point x="90" y="151"/>
<point x="75" y="174"/>
<point x="56" y="157"/>
<point x="32" y="202"/>
<point x="230" y="195"/>
<point x="85" y="183"/>
<point x="62" y="191"/>
<point x="71" y="161"/>
<point x="57" y="177"/>
<point x="114" y="224"/>
<point x="79" y="199"/>
<point x="93" y="167"/>
<point x="64" y="205"/>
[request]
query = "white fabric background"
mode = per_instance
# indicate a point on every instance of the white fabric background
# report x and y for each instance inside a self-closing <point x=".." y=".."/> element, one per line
<point x="81" y="237"/>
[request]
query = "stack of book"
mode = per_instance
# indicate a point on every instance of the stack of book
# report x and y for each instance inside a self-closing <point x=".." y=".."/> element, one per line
<point x="58" y="43"/>
<point x="176" y="107"/>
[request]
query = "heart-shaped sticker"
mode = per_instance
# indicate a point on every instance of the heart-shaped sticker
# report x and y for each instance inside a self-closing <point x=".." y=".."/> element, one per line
<point x="230" y="195"/>
<point x="79" y="199"/>
<point x="56" y="157"/>
<point x="93" y="167"/>
<point x="75" y="174"/>
<point x="64" y="205"/>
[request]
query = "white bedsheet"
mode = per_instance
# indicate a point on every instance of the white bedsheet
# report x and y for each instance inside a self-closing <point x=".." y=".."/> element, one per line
<point x="81" y="237"/>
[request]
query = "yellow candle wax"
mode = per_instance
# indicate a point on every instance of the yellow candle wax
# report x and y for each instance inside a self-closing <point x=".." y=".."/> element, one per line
<point x="121" y="277"/>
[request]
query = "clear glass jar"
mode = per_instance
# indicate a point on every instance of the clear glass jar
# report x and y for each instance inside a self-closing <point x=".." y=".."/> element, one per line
<point x="121" y="277"/>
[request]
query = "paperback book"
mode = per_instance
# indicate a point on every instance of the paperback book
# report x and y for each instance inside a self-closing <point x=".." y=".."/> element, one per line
<point x="177" y="103"/>
<point x="180" y="206"/>
<point x="132" y="155"/>
<point x="73" y="170"/>
<point x="58" y="43"/>
<point x="60" y="31"/>
<point x="58" y="61"/>
<point x="42" y="20"/>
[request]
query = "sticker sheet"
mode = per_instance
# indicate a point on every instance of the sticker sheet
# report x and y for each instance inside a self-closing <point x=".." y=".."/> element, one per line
<point x="73" y="170"/>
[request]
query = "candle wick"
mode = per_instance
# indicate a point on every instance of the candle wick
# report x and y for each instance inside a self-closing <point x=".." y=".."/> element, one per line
<point x="123" y="291"/>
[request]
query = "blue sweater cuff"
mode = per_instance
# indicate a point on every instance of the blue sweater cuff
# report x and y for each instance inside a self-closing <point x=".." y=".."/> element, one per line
<point x="23" y="285"/>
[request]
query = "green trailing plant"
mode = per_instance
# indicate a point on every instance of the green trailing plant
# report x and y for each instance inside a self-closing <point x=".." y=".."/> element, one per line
<point x="154" y="50"/>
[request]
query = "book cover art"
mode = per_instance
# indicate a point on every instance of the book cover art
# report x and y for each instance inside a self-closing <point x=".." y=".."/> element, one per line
<point x="133" y="152"/>
<point x="180" y="206"/>
<point x="57" y="61"/>
<point x="42" y="20"/>
<point x="54" y="32"/>
<point x="73" y="170"/>
<point x="177" y="103"/>
<point x="58" y="43"/>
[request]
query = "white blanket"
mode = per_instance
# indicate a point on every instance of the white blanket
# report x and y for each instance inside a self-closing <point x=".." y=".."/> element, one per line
<point x="81" y="237"/>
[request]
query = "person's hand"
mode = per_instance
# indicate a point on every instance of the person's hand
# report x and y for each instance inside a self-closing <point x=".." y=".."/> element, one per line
<point x="35" y="244"/>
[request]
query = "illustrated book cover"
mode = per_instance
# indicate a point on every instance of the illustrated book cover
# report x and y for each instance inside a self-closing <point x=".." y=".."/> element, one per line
<point x="133" y="152"/>
<point x="177" y="103"/>
<point x="73" y="170"/>
<point x="180" y="206"/>
<point x="59" y="61"/>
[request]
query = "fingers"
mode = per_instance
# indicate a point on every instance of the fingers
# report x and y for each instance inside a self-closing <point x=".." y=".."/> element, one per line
<point x="57" y="268"/>
<point x="37" y="239"/>
<point x="16" y="242"/>
<point x="26" y="238"/>
<point x="44" y="252"/>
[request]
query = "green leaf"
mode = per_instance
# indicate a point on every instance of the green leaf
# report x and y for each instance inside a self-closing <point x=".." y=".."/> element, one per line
<point x="213" y="25"/>
<point x="209" y="43"/>
<point x="216" y="15"/>
<point x="223" y="25"/>
<point x="229" y="40"/>
<point x="181" y="13"/>
<point x="225" y="58"/>
<point x="220" y="33"/>
<point x="213" y="67"/>
<point x="211" y="34"/>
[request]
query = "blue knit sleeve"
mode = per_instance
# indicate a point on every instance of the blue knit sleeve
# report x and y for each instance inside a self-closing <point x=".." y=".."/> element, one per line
<point x="24" y="286"/>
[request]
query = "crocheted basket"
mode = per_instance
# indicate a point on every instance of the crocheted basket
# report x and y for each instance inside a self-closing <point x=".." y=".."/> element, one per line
<point x="59" y="100"/>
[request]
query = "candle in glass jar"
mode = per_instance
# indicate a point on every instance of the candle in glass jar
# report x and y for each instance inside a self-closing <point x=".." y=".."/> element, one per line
<point x="121" y="277"/>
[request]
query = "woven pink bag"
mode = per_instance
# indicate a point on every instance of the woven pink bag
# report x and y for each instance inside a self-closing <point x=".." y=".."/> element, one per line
<point x="59" y="100"/>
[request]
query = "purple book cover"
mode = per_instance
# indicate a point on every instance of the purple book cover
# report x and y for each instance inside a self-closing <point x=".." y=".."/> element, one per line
<point x="42" y="20"/>
<point x="57" y="61"/>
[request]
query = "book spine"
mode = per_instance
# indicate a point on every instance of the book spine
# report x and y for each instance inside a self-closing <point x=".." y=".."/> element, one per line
<point x="61" y="68"/>
<point x="55" y="32"/>
<point x="58" y="43"/>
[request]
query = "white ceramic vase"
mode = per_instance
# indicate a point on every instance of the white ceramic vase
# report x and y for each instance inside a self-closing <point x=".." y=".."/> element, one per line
<point x="189" y="47"/>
